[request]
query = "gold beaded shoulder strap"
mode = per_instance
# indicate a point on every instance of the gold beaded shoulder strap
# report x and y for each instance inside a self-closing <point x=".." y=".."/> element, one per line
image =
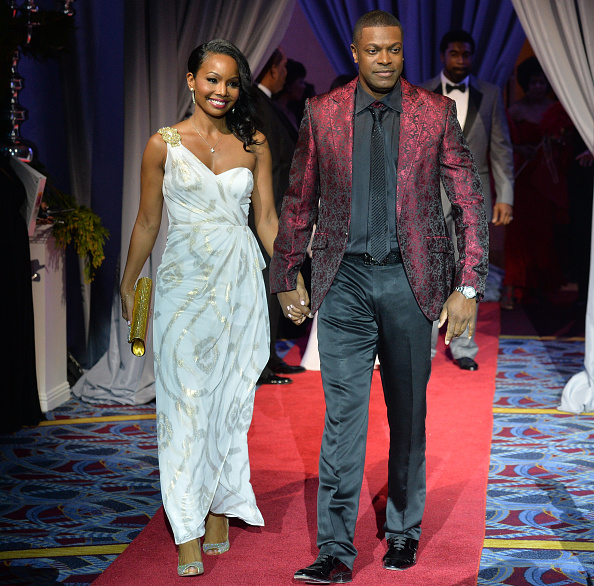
<point x="170" y="136"/>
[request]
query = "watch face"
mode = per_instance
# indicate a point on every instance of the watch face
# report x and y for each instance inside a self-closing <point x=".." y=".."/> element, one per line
<point x="467" y="291"/>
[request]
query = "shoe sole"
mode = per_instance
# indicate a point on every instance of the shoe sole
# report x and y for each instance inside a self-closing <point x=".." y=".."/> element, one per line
<point x="399" y="569"/>
<point x="470" y="369"/>
<point x="307" y="580"/>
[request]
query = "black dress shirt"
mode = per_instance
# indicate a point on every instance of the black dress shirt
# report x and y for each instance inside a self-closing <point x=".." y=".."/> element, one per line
<point x="360" y="200"/>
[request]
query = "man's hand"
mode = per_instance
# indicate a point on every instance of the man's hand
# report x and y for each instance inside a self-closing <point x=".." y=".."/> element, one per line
<point x="295" y="303"/>
<point x="460" y="313"/>
<point x="502" y="214"/>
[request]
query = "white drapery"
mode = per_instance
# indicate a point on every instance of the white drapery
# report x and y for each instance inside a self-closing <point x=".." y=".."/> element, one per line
<point x="561" y="33"/>
<point x="159" y="38"/>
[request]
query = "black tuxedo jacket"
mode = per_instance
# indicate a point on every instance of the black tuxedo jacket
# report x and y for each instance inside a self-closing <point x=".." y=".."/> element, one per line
<point x="282" y="138"/>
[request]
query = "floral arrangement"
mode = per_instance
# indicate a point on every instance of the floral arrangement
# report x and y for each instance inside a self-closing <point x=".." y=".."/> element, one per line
<point x="76" y="225"/>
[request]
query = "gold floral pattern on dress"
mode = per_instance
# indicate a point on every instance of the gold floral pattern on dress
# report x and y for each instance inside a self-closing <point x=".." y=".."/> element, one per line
<point x="164" y="431"/>
<point x="184" y="176"/>
<point x="206" y="354"/>
<point x="170" y="277"/>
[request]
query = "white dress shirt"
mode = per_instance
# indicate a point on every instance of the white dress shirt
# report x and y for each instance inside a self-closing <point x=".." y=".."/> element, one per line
<point x="461" y="98"/>
<point x="268" y="92"/>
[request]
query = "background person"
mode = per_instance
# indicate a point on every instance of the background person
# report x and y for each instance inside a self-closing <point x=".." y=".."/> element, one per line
<point x="481" y="115"/>
<point x="292" y="92"/>
<point x="541" y="134"/>
<point x="281" y="136"/>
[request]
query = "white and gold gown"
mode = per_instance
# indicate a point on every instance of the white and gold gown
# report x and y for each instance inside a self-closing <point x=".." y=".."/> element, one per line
<point x="211" y="342"/>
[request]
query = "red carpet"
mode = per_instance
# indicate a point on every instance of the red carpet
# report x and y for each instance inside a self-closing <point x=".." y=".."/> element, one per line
<point x="284" y="444"/>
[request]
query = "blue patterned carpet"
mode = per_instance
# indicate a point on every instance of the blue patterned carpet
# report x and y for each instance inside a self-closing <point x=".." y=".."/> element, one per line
<point x="77" y="489"/>
<point x="540" y="497"/>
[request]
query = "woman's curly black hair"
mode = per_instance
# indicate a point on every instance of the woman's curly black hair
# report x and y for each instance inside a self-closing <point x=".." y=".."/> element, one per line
<point x="528" y="69"/>
<point x="242" y="119"/>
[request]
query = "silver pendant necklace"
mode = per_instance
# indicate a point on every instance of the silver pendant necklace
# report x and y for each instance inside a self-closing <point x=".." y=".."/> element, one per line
<point x="212" y="149"/>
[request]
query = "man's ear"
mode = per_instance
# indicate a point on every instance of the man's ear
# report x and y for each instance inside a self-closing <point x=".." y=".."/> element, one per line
<point x="354" y="52"/>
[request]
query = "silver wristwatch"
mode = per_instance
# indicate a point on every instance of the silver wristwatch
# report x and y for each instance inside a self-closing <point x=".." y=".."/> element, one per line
<point x="468" y="292"/>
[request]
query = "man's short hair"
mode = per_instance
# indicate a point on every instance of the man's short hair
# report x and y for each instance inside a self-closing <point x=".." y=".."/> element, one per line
<point x="274" y="59"/>
<point x="375" y="18"/>
<point x="456" y="36"/>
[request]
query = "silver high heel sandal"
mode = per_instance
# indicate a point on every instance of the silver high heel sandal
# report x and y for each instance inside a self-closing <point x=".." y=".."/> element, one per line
<point x="217" y="548"/>
<point x="182" y="570"/>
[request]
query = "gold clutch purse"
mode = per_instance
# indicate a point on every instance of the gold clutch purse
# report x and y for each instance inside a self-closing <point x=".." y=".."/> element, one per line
<point x="140" y="316"/>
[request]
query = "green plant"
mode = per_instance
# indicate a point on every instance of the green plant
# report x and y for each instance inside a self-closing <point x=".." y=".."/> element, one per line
<point x="76" y="225"/>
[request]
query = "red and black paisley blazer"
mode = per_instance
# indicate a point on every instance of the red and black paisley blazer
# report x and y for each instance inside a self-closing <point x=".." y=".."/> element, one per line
<point x="432" y="148"/>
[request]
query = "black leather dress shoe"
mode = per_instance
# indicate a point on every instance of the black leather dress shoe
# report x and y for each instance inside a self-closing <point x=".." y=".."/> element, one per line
<point x="401" y="554"/>
<point x="325" y="570"/>
<point x="284" y="368"/>
<point x="273" y="379"/>
<point x="466" y="363"/>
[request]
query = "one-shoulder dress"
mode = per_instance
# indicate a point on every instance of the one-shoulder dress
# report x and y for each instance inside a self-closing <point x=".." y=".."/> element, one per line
<point x="211" y="342"/>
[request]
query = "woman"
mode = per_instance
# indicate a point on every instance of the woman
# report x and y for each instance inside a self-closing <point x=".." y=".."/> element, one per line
<point x="532" y="267"/>
<point x="210" y="327"/>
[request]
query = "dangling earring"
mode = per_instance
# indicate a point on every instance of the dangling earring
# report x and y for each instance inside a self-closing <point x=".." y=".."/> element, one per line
<point x="193" y="97"/>
<point x="233" y="110"/>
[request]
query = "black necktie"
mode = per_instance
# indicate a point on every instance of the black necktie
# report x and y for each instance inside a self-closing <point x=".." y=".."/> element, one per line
<point x="461" y="87"/>
<point x="379" y="246"/>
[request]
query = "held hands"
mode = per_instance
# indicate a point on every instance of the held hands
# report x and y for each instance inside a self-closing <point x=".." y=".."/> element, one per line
<point x="295" y="303"/>
<point x="502" y="214"/>
<point x="460" y="313"/>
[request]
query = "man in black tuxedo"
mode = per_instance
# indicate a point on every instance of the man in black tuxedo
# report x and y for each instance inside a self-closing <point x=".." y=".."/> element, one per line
<point x="282" y="138"/>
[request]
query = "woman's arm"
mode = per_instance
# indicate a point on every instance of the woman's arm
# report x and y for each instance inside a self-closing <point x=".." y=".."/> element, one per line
<point x="265" y="218"/>
<point x="148" y="220"/>
<point x="266" y="221"/>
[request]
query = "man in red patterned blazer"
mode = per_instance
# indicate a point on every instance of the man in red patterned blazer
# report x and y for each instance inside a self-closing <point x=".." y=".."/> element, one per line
<point x="367" y="171"/>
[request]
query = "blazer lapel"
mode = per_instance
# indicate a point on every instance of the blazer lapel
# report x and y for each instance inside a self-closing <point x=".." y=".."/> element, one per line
<point x="342" y="109"/>
<point x="474" y="103"/>
<point x="410" y="130"/>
